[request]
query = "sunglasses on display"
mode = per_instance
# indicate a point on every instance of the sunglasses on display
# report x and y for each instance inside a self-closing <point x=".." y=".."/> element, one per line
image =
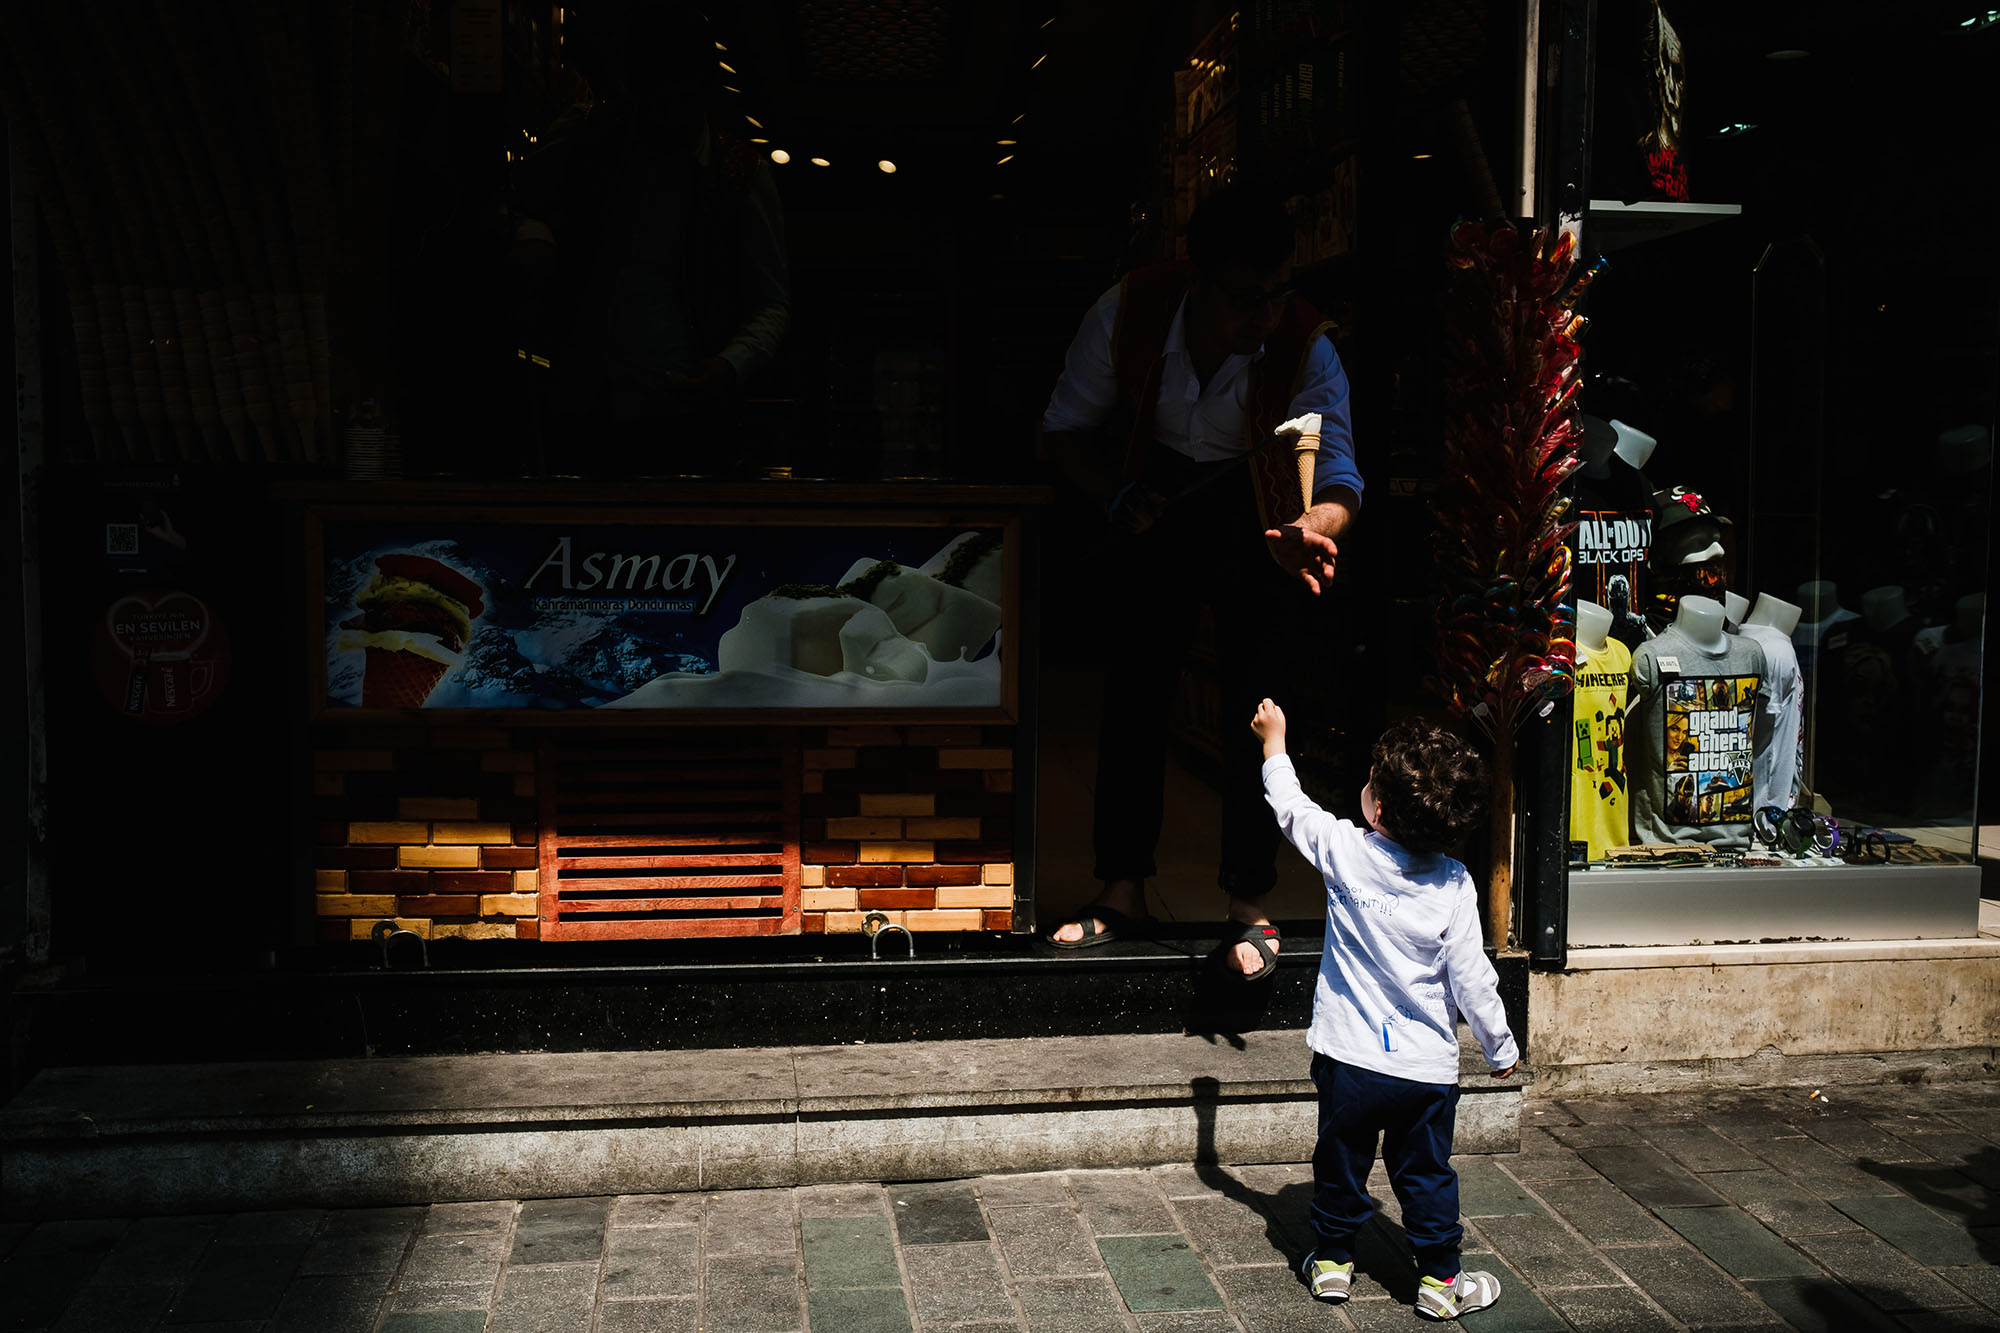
<point x="1796" y="832"/>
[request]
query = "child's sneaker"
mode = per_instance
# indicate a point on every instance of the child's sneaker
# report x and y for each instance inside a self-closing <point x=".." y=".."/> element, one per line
<point x="1327" y="1280"/>
<point x="1460" y="1296"/>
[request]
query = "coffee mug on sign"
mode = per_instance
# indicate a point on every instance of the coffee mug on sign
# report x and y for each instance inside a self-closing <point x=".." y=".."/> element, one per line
<point x="174" y="683"/>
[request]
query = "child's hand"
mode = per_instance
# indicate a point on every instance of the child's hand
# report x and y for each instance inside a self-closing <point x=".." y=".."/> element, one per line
<point x="1508" y="1072"/>
<point x="1269" y="724"/>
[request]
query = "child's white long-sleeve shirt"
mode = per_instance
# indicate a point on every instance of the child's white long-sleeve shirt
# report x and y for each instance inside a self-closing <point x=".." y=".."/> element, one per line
<point x="1403" y="954"/>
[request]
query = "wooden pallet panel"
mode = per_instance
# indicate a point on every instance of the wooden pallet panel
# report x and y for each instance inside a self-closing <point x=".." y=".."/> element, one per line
<point x="669" y="838"/>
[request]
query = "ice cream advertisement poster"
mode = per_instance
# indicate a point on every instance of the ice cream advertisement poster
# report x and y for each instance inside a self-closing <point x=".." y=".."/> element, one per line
<point x="566" y="616"/>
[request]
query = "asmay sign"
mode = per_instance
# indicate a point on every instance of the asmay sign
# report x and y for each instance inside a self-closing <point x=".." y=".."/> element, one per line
<point x="633" y="572"/>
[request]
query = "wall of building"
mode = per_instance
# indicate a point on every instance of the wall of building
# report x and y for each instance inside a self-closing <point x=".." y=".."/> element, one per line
<point x="1826" y="1014"/>
<point x="431" y="827"/>
<point x="914" y="822"/>
<point x="434" y="828"/>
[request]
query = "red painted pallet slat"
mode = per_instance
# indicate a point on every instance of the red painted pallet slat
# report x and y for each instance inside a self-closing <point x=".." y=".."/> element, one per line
<point x="765" y="905"/>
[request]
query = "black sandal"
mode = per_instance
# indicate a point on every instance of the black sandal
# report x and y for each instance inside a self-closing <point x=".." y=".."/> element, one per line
<point x="1110" y="924"/>
<point x="1225" y="1000"/>
<point x="1264" y="939"/>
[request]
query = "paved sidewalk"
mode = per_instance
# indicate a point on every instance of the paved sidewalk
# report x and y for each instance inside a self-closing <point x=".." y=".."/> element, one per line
<point x="1870" y="1208"/>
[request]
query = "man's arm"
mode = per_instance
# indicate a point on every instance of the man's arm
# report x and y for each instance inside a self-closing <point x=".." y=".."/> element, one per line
<point x="1087" y="389"/>
<point x="1084" y="459"/>
<point x="1073" y="439"/>
<point x="1332" y="513"/>
<point x="1308" y="548"/>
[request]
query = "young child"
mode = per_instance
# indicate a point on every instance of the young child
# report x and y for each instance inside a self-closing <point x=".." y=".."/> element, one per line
<point x="1403" y="958"/>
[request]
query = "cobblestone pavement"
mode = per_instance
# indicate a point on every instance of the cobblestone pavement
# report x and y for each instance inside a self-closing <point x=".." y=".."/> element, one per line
<point x="1866" y="1209"/>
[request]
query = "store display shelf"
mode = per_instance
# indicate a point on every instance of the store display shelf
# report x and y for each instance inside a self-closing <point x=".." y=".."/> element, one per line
<point x="1612" y="224"/>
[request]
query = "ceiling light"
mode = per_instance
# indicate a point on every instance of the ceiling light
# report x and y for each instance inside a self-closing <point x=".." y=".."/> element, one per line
<point x="1981" y="22"/>
<point x="725" y="67"/>
<point x="886" y="167"/>
<point x="754" y="121"/>
<point x="1005" y="160"/>
<point x="1419" y="157"/>
<point x="760" y="141"/>
<point x="821" y="162"/>
<point x="780" y="156"/>
<point x="1038" y="61"/>
<point x="1004" y="143"/>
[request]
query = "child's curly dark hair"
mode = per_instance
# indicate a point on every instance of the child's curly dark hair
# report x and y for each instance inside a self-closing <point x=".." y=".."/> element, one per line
<point x="1431" y="785"/>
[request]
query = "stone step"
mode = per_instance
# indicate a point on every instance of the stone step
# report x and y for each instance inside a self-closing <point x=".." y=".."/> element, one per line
<point x="801" y="991"/>
<point x="126" y="1140"/>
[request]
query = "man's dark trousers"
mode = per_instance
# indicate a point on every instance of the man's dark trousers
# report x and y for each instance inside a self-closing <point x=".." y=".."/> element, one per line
<point x="1209" y="549"/>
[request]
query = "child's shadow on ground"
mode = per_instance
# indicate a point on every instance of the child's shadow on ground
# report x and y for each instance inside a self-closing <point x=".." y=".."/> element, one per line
<point x="1381" y="1252"/>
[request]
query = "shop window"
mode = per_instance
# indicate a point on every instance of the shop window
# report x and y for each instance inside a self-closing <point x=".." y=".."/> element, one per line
<point x="673" y="836"/>
<point x="1781" y="553"/>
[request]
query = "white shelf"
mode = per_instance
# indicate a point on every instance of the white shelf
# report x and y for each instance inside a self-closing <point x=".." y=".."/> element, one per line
<point x="1612" y="224"/>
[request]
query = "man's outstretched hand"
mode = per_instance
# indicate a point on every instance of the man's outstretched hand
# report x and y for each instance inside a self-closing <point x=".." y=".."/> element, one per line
<point x="1301" y="552"/>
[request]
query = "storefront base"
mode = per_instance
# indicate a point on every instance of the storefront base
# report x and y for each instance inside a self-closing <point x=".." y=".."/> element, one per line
<point x="1793" y="1015"/>
<point x="133" y="1140"/>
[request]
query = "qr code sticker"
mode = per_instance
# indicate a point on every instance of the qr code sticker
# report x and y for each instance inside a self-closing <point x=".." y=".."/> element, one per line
<point x="121" y="539"/>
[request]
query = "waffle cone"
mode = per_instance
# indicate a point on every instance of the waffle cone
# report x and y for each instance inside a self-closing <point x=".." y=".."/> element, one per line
<point x="398" y="680"/>
<point x="1307" y="452"/>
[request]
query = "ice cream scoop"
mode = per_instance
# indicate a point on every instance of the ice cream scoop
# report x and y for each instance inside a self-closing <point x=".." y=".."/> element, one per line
<point x="416" y="616"/>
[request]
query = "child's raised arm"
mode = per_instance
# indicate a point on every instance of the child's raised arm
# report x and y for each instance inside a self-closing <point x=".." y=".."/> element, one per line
<point x="1305" y="825"/>
<point x="1269" y="724"/>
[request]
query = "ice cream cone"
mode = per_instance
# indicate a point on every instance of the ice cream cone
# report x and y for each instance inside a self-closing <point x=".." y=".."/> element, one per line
<point x="395" y="679"/>
<point x="1306" y="450"/>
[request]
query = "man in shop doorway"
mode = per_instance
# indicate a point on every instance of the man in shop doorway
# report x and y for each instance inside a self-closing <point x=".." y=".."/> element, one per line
<point x="1175" y="376"/>
<point x="651" y="247"/>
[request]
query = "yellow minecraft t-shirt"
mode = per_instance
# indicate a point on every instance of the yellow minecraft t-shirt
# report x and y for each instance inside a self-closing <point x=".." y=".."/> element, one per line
<point x="1599" y="812"/>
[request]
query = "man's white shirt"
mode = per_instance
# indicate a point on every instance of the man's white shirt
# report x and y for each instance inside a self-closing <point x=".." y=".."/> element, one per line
<point x="1201" y="422"/>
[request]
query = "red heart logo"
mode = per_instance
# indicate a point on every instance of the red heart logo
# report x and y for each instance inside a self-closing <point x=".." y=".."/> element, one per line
<point x="173" y="625"/>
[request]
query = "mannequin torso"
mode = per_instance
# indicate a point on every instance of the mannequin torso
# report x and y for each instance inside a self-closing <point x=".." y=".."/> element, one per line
<point x="1780" y="767"/>
<point x="1776" y="612"/>
<point x="1692" y="724"/>
<point x="1700" y="619"/>
<point x="1593" y="625"/>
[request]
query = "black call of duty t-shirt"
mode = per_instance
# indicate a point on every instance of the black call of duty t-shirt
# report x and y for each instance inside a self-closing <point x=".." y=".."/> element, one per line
<point x="1614" y="537"/>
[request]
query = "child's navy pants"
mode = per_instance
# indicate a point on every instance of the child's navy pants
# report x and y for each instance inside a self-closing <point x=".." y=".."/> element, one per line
<point x="1415" y="1122"/>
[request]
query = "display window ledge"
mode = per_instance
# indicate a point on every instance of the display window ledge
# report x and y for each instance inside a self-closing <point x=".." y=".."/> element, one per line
<point x="1985" y="945"/>
<point x="1713" y="907"/>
